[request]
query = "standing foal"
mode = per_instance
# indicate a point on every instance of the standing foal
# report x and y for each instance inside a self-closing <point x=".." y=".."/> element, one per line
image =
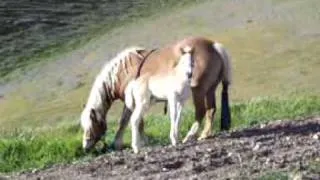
<point x="172" y="85"/>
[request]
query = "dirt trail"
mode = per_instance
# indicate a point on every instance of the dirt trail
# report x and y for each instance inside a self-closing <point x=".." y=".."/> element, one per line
<point x="288" y="146"/>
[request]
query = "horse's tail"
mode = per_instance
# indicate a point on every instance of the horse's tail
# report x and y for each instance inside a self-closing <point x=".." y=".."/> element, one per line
<point x="226" y="81"/>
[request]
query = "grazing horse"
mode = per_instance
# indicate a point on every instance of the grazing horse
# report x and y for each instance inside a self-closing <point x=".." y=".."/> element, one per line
<point x="212" y="65"/>
<point x="148" y="88"/>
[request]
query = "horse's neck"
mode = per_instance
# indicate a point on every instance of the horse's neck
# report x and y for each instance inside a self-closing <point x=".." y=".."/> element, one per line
<point x="101" y="98"/>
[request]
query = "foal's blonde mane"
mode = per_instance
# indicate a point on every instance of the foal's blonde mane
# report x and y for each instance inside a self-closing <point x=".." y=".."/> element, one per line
<point x="107" y="77"/>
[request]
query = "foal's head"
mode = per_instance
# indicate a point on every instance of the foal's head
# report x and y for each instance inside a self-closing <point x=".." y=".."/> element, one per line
<point x="186" y="61"/>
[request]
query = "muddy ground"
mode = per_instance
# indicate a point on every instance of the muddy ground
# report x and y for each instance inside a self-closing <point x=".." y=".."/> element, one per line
<point x="285" y="146"/>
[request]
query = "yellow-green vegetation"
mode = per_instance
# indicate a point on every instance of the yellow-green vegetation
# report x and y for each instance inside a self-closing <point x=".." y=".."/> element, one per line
<point x="275" y="49"/>
<point x="274" y="175"/>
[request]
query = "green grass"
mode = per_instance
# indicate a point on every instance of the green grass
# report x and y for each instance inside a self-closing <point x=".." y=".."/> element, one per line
<point x="274" y="176"/>
<point x="314" y="167"/>
<point x="24" y="148"/>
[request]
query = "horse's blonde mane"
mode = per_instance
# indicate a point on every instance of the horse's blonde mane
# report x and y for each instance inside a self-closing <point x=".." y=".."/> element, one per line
<point x="107" y="76"/>
<point x="109" y="73"/>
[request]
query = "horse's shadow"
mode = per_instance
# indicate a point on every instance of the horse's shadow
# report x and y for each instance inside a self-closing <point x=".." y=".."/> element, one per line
<point x="295" y="127"/>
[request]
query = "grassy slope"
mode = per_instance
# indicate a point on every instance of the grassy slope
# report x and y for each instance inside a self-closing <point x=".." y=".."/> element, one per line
<point x="272" y="56"/>
<point x="33" y="30"/>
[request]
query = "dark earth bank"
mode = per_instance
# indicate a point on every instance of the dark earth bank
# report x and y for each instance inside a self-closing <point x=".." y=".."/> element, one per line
<point x="289" y="146"/>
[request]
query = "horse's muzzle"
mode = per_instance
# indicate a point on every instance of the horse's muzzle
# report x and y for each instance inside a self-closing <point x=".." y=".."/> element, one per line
<point x="87" y="145"/>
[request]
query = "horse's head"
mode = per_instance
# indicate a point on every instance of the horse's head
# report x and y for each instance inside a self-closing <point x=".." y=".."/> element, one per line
<point x="94" y="126"/>
<point x="186" y="61"/>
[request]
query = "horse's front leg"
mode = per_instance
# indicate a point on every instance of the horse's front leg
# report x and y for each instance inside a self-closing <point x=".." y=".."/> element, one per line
<point x="123" y="123"/>
<point x="125" y="117"/>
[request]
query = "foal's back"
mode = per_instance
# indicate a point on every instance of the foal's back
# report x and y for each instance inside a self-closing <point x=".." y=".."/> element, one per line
<point x="175" y="80"/>
<point x="207" y="62"/>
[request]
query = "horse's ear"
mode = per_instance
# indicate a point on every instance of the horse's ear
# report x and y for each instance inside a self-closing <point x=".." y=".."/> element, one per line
<point x="140" y="51"/>
<point x="191" y="50"/>
<point x="93" y="115"/>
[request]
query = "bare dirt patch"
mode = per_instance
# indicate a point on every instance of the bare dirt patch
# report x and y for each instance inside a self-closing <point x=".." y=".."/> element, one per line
<point x="285" y="146"/>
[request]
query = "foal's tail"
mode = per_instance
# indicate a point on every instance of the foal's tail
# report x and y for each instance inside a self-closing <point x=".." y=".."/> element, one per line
<point x="129" y="101"/>
<point x="226" y="81"/>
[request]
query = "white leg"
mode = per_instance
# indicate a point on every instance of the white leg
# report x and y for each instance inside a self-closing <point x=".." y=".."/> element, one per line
<point x="135" y="120"/>
<point x="177" y="120"/>
<point x="142" y="103"/>
<point x="175" y="111"/>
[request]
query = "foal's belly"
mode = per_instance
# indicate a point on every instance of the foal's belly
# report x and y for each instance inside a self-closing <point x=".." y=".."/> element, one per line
<point x="163" y="90"/>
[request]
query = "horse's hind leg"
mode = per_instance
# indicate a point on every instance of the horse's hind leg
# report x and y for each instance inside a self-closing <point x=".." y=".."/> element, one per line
<point x="210" y="112"/>
<point x="198" y="100"/>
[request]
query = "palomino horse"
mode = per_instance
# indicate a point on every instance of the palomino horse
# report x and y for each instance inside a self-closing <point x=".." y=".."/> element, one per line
<point x="211" y="66"/>
<point x="149" y="88"/>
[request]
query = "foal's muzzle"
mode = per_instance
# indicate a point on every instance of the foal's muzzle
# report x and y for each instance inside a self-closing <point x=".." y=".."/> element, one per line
<point x="189" y="75"/>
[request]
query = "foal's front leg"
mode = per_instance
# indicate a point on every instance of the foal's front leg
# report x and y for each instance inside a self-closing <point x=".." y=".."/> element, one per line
<point x="175" y="108"/>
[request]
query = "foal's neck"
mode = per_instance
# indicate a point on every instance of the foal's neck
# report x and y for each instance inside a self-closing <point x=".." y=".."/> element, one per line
<point x="181" y="75"/>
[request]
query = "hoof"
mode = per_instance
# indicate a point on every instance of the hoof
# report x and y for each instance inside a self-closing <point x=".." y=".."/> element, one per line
<point x="189" y="139"/>
<point x="117" y="145"/>
<point x="204" y="136"/>
<point x="144" y="140"/>
<point x="136" y="151"/>
<point x="201" y="138"/>
<point x="174" y="144"/>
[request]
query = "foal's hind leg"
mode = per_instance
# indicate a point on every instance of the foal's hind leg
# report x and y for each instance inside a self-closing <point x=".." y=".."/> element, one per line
<point x="143" y="136"/>
<point x="198" y="100"/>
<point x="135" y="120"/>
<point x="210" y="112"/>
<point x="125" y="118"/>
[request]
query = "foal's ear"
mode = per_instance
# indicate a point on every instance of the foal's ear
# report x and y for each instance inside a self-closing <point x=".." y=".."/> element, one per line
<point x="93" y="115"/>
<point x="182" y="51"/>
<point x="186" y="49"/>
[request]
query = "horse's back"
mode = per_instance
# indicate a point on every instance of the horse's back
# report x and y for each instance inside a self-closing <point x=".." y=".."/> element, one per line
<point x="208" y="63"/>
